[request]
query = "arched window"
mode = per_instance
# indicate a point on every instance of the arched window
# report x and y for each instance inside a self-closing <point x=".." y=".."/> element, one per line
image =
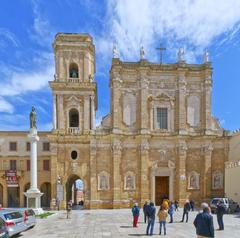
<point x="73" y="118"/>
<point x="73" y="70"/>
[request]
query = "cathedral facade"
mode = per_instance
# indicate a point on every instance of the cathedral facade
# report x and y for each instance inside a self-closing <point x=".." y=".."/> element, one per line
<point x="159" y="140"/>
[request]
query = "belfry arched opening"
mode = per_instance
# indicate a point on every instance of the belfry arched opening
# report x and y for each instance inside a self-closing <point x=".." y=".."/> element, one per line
<point x="75" y="191"/>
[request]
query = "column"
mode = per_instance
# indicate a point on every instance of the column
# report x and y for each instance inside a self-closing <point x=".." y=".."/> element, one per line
<point x="181" y="103"/>
<point x="54" y="112"/>
<point x="181" y="179"/>
<point x="116" y="156"/>
<point x="93" y="176"/>
<point x="34" y="138"/>
<point x="145" y="186"/>
<point x="86" y="121"/>
<point x="93" y="126"/>
<point x="206" y="175"/>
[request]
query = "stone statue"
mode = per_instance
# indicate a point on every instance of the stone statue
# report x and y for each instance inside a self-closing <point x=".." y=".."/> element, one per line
<point x="33" y="118"/>
<point x="142" y="53"/>
<point x="115" y="52"/>
<point x="129" y="182"/>
<point x="181" y="54"/>
<point x="206" y="57"/>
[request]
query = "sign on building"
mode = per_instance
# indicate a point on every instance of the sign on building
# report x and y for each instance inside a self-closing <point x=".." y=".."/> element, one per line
<point x="11" y="178"/>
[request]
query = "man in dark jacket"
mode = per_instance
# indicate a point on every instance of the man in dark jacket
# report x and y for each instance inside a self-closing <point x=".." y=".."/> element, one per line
<point x="151" y="213"/>
<point x="221" y="209"/>
<point x="186" y="210"/>
<point x="204" y="222"/>
<point x="145" y="208"/>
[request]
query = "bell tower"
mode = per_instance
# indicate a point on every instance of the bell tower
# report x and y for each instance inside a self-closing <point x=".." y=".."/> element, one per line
<point x="73" y="88"/>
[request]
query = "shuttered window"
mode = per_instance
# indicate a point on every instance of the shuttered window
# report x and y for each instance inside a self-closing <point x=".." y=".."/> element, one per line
<point x="162" y="118"/>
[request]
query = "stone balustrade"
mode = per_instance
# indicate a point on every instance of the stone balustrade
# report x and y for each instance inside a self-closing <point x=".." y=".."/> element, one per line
<point x="74" y="130"/>
<point x="73" y="80"/>
<point x="232" y="164"/>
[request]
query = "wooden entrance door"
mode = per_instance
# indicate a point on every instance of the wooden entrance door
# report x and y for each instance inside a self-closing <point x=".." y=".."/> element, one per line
<point x="161" y="189"/>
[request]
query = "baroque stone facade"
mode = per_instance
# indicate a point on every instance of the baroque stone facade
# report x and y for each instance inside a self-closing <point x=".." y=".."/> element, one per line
<point x="159" y="139"/>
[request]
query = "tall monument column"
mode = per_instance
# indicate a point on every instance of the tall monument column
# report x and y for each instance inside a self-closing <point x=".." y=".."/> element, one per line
<point x="33" y="194"/>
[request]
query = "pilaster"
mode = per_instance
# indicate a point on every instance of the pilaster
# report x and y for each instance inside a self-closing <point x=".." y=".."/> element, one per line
<point x="206" y="175"/>
<point x="181" y="179"/>
<point x="116" y="156"/>
<point x="54" y="112"/>
<point x="92" y="113"/>
<point x="93" y="175"/>
<point x="144" y="104"/>
<point x="181" y="102"/>
<point x="208" y="100"/>
<point x="144" y="156"/>
<point x="86" y="121"/>
<point x="116" y="93"/>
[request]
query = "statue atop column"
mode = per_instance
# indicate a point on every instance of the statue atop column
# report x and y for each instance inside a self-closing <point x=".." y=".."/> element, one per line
<point x="33" y="118"/>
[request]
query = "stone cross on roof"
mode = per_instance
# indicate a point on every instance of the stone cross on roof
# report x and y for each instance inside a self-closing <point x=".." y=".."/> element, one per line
<point x="161" y="49"/>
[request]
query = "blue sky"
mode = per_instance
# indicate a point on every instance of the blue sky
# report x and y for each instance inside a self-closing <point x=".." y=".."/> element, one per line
<point x="27" y="30"/>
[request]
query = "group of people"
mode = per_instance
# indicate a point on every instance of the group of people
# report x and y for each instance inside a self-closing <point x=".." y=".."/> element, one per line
<point x="203" y="221"/>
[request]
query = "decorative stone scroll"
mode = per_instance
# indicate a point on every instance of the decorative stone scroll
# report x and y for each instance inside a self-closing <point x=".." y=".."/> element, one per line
<point x="193" y="180"/>
<point x="129" y="181"/>
<point x="103" y="181"/>
<point x="217" y="180"/>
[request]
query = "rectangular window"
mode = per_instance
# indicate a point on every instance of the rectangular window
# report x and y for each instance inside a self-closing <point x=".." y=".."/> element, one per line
<point x="13" y="164"/>
<point x="46" y="165"/>
<point x="13" y="146"/>
<point x="28" y="146"/>
<point x="162" y="118"/>
<point x="28" y="165"/>
<point x="46" y="146"/>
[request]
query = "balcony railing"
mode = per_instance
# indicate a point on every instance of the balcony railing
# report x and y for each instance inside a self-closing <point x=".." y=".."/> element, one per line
<point x="74" y="130"/>
<point x="73" y="80"/>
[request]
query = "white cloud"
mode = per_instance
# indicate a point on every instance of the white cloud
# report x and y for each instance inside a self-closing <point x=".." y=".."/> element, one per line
<point x="5" y="106"/>
<point x="22" y="82"/>
<point x="7" y="36"/>
<point x="194" y="24"/>
<point x="42" y="31"/>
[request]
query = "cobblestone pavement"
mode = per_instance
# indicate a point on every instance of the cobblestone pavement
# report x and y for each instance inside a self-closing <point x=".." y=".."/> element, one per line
<point x="118" y="223"/>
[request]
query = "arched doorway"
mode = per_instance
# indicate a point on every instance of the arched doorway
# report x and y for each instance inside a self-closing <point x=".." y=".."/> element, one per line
<point x="26" y="187"/>
<point x="1" y="194"/>
<point x="13" y="197"/>
<point x="75" y="191"/>
<point x="46" y="197"/>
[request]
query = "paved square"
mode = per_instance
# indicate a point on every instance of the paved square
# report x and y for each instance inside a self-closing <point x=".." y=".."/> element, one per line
<point x="118" y="223"/>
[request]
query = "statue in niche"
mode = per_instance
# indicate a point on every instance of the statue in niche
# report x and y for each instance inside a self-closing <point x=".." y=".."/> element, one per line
<point x="129" y="182"/>
<point x="193" y="183"/>
<point x="33" y="118"/>
<point x="217" y="181"/>
<point x="103" y="182"/>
